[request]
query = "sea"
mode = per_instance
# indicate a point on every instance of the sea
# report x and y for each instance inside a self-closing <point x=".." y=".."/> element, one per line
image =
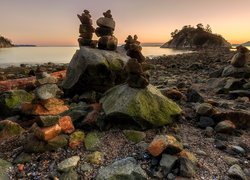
<point x="38" y="55"/>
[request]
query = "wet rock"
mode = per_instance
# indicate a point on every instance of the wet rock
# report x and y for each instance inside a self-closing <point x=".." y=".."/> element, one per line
<point x="68" y="164"/>
<point x="92" y="141"/>
<point x="167" y="162"/>
<point x="194" y="96"/>
<point x="236" y="172"/>
<point x="23" y="158"/>
<point x="95" y="158"/>
<point x="134" y="136"/>
<point x="9" y="129"/>
<point x="225" y="127"/>
<point x="205" y="122"/>
<point x="47" y="91"/>
<point x="205" y="109"/>
<point x="76" y="139"/>
<point x="10" y="100"/>
<point x="135" y="105"/>
<point x="46" y="121"/>
<point x="187" y="168"/>
<point x="125" y="168"/>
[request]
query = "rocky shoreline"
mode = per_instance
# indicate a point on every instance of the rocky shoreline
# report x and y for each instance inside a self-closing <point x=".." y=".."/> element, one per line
<point x="188" y="80"/>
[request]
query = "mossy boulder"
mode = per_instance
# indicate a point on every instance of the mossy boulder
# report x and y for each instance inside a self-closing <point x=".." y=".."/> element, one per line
<point x="134" y="136"/>
<point x="9" y="129"/>
<point x="92" y="141"/>
<point x="10" y="100"/>
<point x="147" y="107"/>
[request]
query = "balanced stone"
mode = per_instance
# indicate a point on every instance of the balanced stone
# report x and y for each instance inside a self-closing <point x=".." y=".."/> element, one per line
<point x="106" y="21"/>
<point x="104" y="31"/>
<point x="108" y="43"/>
<point x="134" y="49"/>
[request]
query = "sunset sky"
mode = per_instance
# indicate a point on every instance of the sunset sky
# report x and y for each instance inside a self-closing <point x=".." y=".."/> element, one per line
<point x="54" y="22"/>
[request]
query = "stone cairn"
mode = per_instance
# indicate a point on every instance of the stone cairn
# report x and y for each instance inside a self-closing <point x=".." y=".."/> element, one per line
<point x="137" y="78"/>
<point x="86" y="30"/>
<point x="134" y="48"/>
<point x="46" y="109"/>
<point x="241" y="58"/>
<point x="105" y="31"/>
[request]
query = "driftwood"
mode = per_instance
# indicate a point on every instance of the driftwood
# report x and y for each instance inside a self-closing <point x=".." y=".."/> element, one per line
<point x="25" y="82"/>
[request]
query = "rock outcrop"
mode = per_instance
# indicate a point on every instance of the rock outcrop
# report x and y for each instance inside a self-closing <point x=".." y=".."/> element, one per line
<point x="94" y="69"/>
<point x="146" y="107"/>
<point x="194" y="38"/>
<point x="4" y="43"/>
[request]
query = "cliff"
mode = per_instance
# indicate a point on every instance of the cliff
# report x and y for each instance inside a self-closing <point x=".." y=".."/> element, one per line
<point x="195" y="38"/>
<point x="5" y="42"/>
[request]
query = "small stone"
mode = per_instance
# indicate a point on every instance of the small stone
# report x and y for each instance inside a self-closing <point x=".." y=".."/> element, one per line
<point x="48" y="133"/>
<point x="219" y="144"/>
<point x="46" y="121"/>
<point x="236" y="172"/>
<point x="95" y="158"/>
<point x="86" y="168"/>
<point x="76" y="139"/>
<point x="209" y="131"/>
<point x="187" y="168"/>
<point x="92" y="141"/>
<point x="134" y="136"/>
<point x="68" y="164"/>
<point x="69" y="175"/>
<point x="173" y="94"/>
<point x="225" y="126"/>
<point x="205" y="109"/>
<point x="23" y="158"/>
<point x="158" y="145"/>
<point x="231" y="160"/>
<point x="202" y="153"/>
<point x="20" y="167"/>
<point x="238" y="149"/>
<point x="194" y="96"/>
<point x="66" y="124"/>
<point x="167" y="162"/>
<point x="57" y="142"/>
<point x="205" y="122"/>
<point x="173" y="146"/>
<point x="188" y="155"/>
<point x="108" y="43"/>
<point x="46" y="80"/>
<point x="47" y="91"/>
<point x="106" y="22"/>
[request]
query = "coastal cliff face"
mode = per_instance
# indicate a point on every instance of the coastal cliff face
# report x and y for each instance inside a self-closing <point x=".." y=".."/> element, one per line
<point x="4" y="43"/>
<point x="194" y="38"/>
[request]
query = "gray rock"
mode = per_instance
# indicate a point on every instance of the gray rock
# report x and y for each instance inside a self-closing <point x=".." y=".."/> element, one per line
<point x="167" y="162"/>
<point x="205" y="109"/>
<point x="194" y="96"/>
<point x="46" y="121"/>
<point x="205" y="122"/>
<point x="47" y="91"/>
<point x="46" y="80"/>
<point x="231" y="160"/>
<point x="123" y="169"/>
<point x="231" y="71"/>
<point x="187" y="168"/>
<point x="209" y="131"/>
<point x="238" y="149"/>
<point x="68" y="164"/>
<point x="106" y="22"/>
<point x="236" y="172"/>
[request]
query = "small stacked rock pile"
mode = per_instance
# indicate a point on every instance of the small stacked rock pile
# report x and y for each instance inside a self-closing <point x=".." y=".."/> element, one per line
<point x="46" y="110"/>
<point x="86" y="30"/>
<point x="134" y="49"/>
<point x="174" y="161"/>
<point x="105" y="31"/>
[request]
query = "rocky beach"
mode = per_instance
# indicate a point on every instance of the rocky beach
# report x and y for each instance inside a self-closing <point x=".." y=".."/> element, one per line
<point x="111" y="113"/>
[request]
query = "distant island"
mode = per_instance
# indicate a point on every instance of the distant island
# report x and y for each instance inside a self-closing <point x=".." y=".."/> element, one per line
<point x="25" y="45"/>
<point x="246" y="44"/>
<point x="196" y="38"/>
<point x="4" y="42"/>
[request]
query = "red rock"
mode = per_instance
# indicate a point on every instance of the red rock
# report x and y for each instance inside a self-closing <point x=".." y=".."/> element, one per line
<point x="26" y="82"/>
<point x="51" y="103"/>
<point x="173" y="94"/>
<point x="20" y="167"/>
<point x="158" y="145"/>
<point x="48" y="133"/>
<point x="66" y="124"/>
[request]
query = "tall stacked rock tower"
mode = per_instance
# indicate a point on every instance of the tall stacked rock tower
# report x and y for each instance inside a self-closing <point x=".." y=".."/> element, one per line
<point x="105" y="31"/>
<point x="86" y="29"/>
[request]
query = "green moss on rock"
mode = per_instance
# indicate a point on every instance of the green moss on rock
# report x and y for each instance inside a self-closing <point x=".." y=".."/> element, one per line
<point x="92" y="141"/>
<point x="9" y="129"/>
<point x="134" y="136"/>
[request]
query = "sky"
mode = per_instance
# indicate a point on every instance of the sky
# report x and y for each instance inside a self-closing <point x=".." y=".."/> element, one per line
<point x="54" y="22"/>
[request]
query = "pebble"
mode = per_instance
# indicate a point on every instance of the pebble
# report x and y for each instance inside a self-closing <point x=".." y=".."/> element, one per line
<point x="219" y="144"/>
<point x="67" y="164"/>
<point x="238" y="149"/>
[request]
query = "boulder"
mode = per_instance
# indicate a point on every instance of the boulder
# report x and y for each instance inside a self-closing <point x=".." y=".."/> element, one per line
<point x="123" y="169"/>
<point x="11" y="100"/>
<point x="94" y="69"/>
<point x="9" y="129"/>
<point x="146" y="107"/>
<point x="237" y="72"/>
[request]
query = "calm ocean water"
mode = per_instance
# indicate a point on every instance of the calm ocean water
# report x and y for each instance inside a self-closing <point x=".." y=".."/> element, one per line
<point x="38" y="55"/>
